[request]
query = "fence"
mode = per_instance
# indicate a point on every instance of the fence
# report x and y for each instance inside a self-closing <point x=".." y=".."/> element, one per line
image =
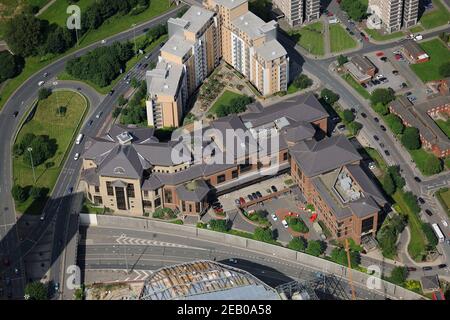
<point x="359" y="278"/>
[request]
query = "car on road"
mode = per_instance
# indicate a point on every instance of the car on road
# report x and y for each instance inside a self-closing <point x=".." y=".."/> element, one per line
<point x="428" y="212"/>
<point x="255" y="196"/>
<point x="250" y="197"/>
<point x="376" y="138"/>
<point x="259" y="194"/>
<point x="447" y="241"/>
<point x="386" y="152"/>
<point x="442" y="266"/>
<point x="383" y="128"/>
<point x="70" y="189"/>
<point x="274" y="217"/>
<point x="90" y="123"/>
<point x="444" y="223"/>
<point x="79" y="89"/>
<point x="232" y="260"/>
<point x="99" y="115"/>
<point x="15" y="114"/>
<point x="111" y="92"/>
<point x="45" y="75"/>
<point x="274" y="189"/>
<point x="57" y="287"/>
<point x="76" y="156"/>
<point x="417" y="179"/>
<point x="427" y="268"/>
<point x="363" y="115"/>
<point x="421" y="201"/>
<point x="103" y="41"/>
<point x="79" y="138"/>
<point x="376" y="119"/>
<point x="40" y="83"/>
<point x="410" y="269"/>
<point x="284" y="223"/>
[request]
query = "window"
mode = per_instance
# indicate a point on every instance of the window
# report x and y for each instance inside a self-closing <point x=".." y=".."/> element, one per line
<point x="221" y="178"/>
<point x="157" y="202"/>
<point x="367" y="225"/>
<point x="109" y="188"/>
<point x="168" y="196"/>
<point x="97" y="189"/>
<point x="285" y="156"/>
<point x="197" y="207"/>
<point x="130" y="190"/>
<point x="234" y="174"/>
<point x="145" y="194"/>
<point x="156" y="192"/>
<point x="147" y="204"/>
<point x="120" y="198"/>
<point x="190" y="207"/>
<point x="183" y="205"/>
<point x="98" y="200"/>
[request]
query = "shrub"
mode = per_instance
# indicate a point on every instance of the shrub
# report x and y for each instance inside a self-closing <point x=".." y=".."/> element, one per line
<point x="263" y="234"/>
<point x="399" y="275"/>
<point x="298" y="244"/>
<point x="381" y="95"/>
<point x="297" y="224"/>
<point x="411" y="139"/>
<point x="19" y="193"/>
<point x="220" y="225"/>
<point x="315" y="248"/>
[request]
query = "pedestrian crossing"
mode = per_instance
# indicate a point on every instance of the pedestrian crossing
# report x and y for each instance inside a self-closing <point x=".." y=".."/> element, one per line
<point x="124" y="239"/>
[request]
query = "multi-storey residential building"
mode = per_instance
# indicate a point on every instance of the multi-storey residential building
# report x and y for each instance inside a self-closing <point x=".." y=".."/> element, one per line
<point x="395" y="14"/>
<point x="130" y="172"/>
<point x="249" y="44"/>
<point x="298" y="12"/>
<point x="193" y="46"/>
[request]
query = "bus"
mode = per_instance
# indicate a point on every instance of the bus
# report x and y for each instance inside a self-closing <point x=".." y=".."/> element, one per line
<point x="438" y="232"/>
<point x="79" y="138"/>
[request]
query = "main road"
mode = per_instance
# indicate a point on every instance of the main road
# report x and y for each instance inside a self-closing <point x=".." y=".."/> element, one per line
<point x="60" y="202"/>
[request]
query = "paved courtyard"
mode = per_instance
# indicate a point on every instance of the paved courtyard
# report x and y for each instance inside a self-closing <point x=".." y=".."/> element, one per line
<point x="385" y="69"/>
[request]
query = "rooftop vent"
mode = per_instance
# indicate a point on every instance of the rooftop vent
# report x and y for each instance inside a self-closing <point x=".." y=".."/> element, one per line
<point x="124" y="138"/>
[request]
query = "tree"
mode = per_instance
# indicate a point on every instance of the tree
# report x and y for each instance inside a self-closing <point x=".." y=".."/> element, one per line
<point x="298" y="244"/>
<point x="36" y="291"/>
<point x="58" y="40"/>
<point x="342" y="60"/>
<point x="219" y="225"/>
<point x="382" y="95"/>
<point x="122" y="101"/>
<point x="399" y="275"/>
<point x="430" y="235"/>
<point x="348" y="116"/>
<point x="411" y="138"/>
<point x="44" y="93"/>
<point x="329" y="96"/>
<point x="411" y="201"/>
<point x="116" y="112"/>
<point x="339" y="255"/>
<point x="444" y="70"/>
<point x="387" y="238"/>
<point x="10" y="65"/>
<point x="263" y="234"/>
<point x="43" y="148"/>
<point x="25" y="34"/>
<point x="388" y="184"/>
<point x="380" y="108"/>
<point x="395" y="123"/>
<point x="315" y="248"/>
<point x="19" y="193"/>
<point x="394" y="172"/>
<point x="134" y="82"/>
<point x="356" y="9"/>
<point x="302" y="81"/>
<point x="37" y="193"/>
<point x="354" y="127"/>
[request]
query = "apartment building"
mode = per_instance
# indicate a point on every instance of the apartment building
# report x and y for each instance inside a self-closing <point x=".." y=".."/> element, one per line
<point x="297" y="12"/>
<point x="249" y="45"/>
<point x="130" y="172"/>
<point x="395" y="14"/>
<point x="193" y="46"/>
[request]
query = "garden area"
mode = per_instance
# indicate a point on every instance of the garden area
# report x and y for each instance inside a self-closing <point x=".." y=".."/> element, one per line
<point x="439" y="56"/>
<point x="310" y="38"/>
<point x="443" y="196"/>
<point x="444" y="125"/>
<point x="258" y="216"/>
<point x="297" y="224"/>
<point x="229" y="102"/>
<point x="50" y="133"/>
<point x="436" y="17"/>
<point x="340" y="39"/>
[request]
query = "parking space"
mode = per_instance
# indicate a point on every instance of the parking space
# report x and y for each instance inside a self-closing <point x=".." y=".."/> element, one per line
<point x="388" y="75"/>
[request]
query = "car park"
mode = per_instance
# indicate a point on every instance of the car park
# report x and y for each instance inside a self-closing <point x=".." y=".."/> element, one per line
<point x="428" y="212"/>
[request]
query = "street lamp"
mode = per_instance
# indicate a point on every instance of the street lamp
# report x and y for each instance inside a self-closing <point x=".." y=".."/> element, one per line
<point x="29" y="149"/>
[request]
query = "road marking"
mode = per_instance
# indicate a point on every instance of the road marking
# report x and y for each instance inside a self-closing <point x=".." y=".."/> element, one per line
<point x="123" y="239"/>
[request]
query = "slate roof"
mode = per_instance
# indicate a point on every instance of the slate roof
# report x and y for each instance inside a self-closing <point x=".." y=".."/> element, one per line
<point x="195" y="190"/>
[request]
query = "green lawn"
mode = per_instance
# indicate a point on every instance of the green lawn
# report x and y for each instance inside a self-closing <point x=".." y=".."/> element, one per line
<point x="417" y="244"/>
<point x="420" y="158"/>
<point x="439" y="54"/>
<point x="445" y="126"/>
<point x="437" y="17"/>
<point x="63" y="129"/>
<point x="377" y="36"/>
<point x="109" y="28"/>
<point x="375" y="156"/>
<point x="444" y="197"/>
<point x="129" y="65"/>
<point x="355" y="85"/>
<point x="224" y="99"/>
<point x="416" y="29"/>
<point x="311" y="38"/>
<point x="340" y="39"/>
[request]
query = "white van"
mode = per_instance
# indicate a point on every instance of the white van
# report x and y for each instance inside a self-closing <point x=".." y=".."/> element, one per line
<point x="40" y="83"/>
<point x="79" y="138"/>
<point x="284" y="223"/>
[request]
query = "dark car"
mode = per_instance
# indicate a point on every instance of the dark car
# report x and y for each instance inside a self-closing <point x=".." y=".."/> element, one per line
<point x="363" y="115"/>
<point x="410" y="269"/>
<point x="395" y="72"/>
<point x="421" y="200"/>
<point x="384" y="59"/>
<point x="90" y="123"/>
<point x="427" y="268"/>
<point x="442" y="266"/>
<point x="417" y="179"/>
<point x="259" y="194"/>
<point x="70" y="189"/>
<point x="376" y="82"/>
<point x="111" y="92"/>
<point x="255" y="196"/>
<point x="15" y="114"/>
<point x="382" y="145"/>
<point x="386" y="152"/>
<point x="383" y="128"/>
<point x="274" y="189"/>
<point x="376" y="119"/>
<point x="376" y="138"/>
<point x="250" y="197"/>
<point x="428" y="212"/>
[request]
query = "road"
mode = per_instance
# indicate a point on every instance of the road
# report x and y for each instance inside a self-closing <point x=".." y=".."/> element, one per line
<point x="112" y="249"/>
<point x="60" y="203"/>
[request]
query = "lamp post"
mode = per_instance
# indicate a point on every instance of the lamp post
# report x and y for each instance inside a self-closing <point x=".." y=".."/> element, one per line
<point x="30" y="149"/>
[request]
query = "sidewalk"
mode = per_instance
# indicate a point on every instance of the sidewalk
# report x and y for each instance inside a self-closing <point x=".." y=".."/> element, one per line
<point x="425" y="32"/>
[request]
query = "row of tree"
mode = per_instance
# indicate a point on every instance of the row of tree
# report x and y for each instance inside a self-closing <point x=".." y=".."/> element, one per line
<point x="135" y="112"/>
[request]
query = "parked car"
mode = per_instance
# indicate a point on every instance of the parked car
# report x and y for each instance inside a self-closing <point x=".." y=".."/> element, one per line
<point x="284" y="223"/>
<point x="427" y="268"/>
<point x="381" y="144"/>
<point x="376" y="119"/>
<point x="421" y="201"/>
<point x="386" y="152"/>
<point x="410" y="269"/>
<point x="442" y="266"/>
<point x="383" y="128"/>
<point x="242" y="201"/>
<point x="255" y="196"/>
<point x="444" y="223"/>
<point x="376" y="138"/>
<point x="395" y="72"/>
<point x="274" y="217"/>
<point x="403" y="85"/>
<point x="268" y="190"/>
<point x="274" y="189"/>
<point x="237" y="202"/>
<point x="232" y="260"/>
<point x="250" y="197"/>
<point x="384" y="59"/>
<point x="379" y="76"/>
<point x="259" y="194"/>
<point x="363" y="115"/>
<point x="417" y="179"/>
<point x="428" y="212"/>
<point x="341" y="127"/>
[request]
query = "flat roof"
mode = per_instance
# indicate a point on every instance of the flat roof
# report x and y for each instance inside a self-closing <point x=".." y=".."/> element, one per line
<point x="196" y="17"/>
<point x="253" y="25"/>
<point x="271" y="50"/>
<point x="178" y="46"/>
<point x="230" y="4"/>
<point x="164" y="79"/>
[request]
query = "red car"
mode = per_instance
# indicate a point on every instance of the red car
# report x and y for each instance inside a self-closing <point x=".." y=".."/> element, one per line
<point x="380" y="53"/>
<point x="242" y="201"/>
<point x="330" y="14"/>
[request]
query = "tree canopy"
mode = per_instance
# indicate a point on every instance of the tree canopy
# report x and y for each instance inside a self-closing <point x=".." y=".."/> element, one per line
<point x="36" y="291"/>
<point x="315" y="248"/>
<point x="356" y="10"/>
<point x="329" y="96"/>
<point x="10" y="65"/>
<point x="411" y="138"/>
<point x="382" y="95"/>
